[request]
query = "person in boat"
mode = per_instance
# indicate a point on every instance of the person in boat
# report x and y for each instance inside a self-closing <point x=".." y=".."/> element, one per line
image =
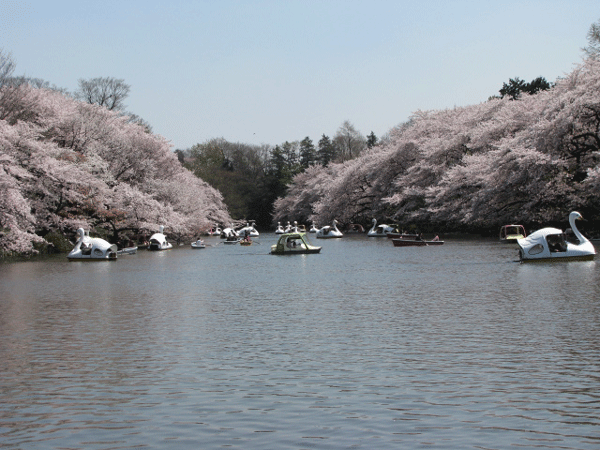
<point x="436" y="238"/>
<point x="419" y="237"/>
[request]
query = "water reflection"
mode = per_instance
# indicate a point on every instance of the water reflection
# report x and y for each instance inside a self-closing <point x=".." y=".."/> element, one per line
<point x="364" y="345"/>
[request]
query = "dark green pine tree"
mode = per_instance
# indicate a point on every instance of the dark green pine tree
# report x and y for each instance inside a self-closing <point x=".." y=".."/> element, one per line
<point x="326" y="151"/>
<point x="371" y="140"/>
<point x="308" y="153"/>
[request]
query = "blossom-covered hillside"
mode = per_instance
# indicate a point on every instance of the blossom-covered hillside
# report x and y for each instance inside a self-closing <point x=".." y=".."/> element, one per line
<point x="65" y="164"/>
<point x="530" y="160"/>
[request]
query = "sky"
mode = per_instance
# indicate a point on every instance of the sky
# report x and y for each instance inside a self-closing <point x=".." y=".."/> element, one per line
<point x="265" y="71"/>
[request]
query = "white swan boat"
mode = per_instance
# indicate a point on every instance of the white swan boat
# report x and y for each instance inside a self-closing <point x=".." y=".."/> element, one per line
<point x="158" y="241"/>
<point x="279" y="229"/>
<point x="248" y="230"/>
<point x="92" y="249"/>
<point x="550" y="244"/>
<point x="216" y="231"/>
<point x="328" y="232"/>
<point x="293" y="244"/>
<point x="228" y="232"/>
<point x="313" y="228"/>
<point x="379" y="230"/>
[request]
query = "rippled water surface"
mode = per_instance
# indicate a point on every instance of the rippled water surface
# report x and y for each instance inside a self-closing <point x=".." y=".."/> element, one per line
<point x="362" y="346"/>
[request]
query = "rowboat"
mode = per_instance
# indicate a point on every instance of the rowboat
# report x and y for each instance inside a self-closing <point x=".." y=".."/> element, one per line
<point x="127" y="251"/>
<point x="415" y="242"/>
<point x="198" y="244"/>
<point x="401" y="236"/>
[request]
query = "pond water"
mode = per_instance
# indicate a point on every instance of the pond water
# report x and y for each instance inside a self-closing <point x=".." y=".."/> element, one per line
<point x="364" y="345"/>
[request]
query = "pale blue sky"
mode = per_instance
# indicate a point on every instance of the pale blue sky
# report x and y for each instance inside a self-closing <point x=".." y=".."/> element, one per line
<point x="270" y="71"/>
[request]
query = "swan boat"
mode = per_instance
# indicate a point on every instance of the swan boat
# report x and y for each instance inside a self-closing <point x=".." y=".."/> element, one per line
<point x="198" y="244"/>
<point x="158" y="241"/>
<point x="313" y="228"/>
<point x="214" y="231"/>
<point x="279" y="229"/>
<point x="293" y="244"/>
<point x="354" y="228"/>
<point x="550" y="244"/>
<point x="92" y="249"/>
<point x="510" y="233"/>
<point x="248" y="230"/>
<point x="228" y="232"/>
<point x="379" y="230"/>
<point x="328" y="232"/>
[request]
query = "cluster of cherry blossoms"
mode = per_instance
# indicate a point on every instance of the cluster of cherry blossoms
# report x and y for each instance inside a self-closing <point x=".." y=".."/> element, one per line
<point x="530" y="160"/>
<point x="66" y="164"/>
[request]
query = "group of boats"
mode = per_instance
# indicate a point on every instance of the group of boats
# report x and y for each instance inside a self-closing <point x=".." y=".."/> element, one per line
<point x="97" y="249"/>
<point x="547" y="244"/>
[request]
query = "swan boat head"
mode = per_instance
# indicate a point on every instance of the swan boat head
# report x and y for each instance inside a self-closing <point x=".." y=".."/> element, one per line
<point x="330" y="231"/>
<point x="379" y="230"/>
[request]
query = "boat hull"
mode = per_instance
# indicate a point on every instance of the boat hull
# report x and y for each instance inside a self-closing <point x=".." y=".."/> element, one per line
<point x="558" y="258"/>
<point x="402" y="236"/>
<point x="84" y="258"/>
<point x="414" y="243"/>
<point x="127" y="251"/>
<point x="158" y="247"/>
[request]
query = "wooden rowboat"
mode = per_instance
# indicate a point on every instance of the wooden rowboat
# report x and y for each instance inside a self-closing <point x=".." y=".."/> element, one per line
<point x="414" y="243"/>
<point x="402" y="236"/>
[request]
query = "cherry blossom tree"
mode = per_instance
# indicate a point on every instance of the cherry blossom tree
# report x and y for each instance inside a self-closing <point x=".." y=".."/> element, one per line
<point x="66" y="164"/>
<point x="532" y="160"/>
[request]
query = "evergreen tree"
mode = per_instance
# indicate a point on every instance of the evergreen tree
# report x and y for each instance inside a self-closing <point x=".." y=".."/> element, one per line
<point x="308" y="153"/>
<point x="290" y="152"/>
<point x="326" y="151"/>
<point x="516" y="86"/>
<point x="371" y="140"/>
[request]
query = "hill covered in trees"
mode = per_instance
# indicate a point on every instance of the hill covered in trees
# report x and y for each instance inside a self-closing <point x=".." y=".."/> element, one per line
<point x="528" y="158"/>
<point x="66" y="164"/>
